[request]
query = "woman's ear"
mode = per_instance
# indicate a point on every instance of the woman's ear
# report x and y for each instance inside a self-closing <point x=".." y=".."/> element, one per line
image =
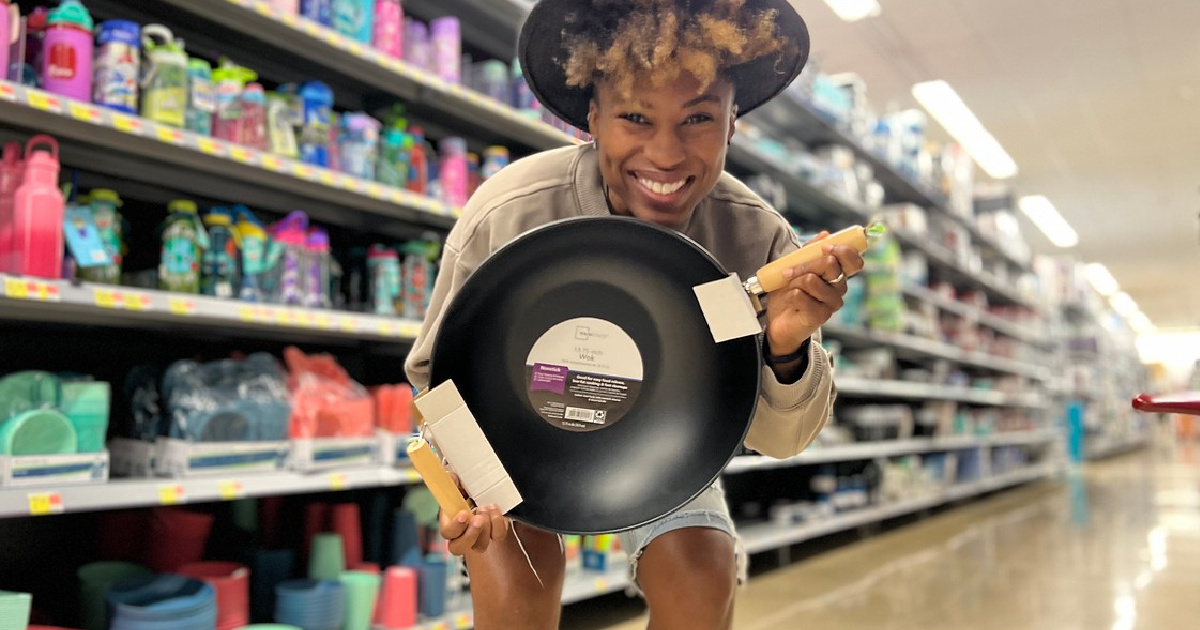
<point x="592" y="115"/>
<point x="732" y="125"/>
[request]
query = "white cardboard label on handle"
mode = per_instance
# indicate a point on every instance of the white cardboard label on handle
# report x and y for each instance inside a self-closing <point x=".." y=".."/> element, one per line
<point x="462" y="443"/>
<point x="727" y="309"/>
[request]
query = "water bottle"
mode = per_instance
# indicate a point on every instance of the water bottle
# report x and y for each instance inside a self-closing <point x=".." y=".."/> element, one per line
<point x="354" y="19"/>
<point x="317" y="100"/>
<point x="319" y="262"/>
<point x="319" y="11"/>
<point x="202" y="99"/>
<point x="393" y="159"/>
<point x="446" y="36"/>
<point x="230" y="81"/>
<point x="105" y="206"/>
<point x="38" y="214"/>
<point x="383" y="270"/>
<point x="289" y="250"/>
<point x="252" y="239"/>
<point x="10" y="27"/>
<point x="358" y="149"/>
<point x="388" y="37"/>
<point x="219" y="269"/>
<point x="494" y="159"/>
<point x="67" y="52"/>
<point x="452" y="171"/>
<point x="416" y="275"/>
<point x="118" y="59"/>
<point x="165" y="86"/>
<point x="183" y="243"/>
<point x="254" y="117"/>
<point x="11" y="166"/>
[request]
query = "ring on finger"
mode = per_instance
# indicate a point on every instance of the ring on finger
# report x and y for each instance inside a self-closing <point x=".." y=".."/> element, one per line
<point x="840" y="278"/>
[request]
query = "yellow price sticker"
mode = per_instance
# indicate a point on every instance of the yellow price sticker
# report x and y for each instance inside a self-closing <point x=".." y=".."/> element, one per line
<point x="410" y="330"/>
<point x="45" y="292"/>
<point x="239" y="154"/>
<point x="43" y="503"/>
<point x="305" y="319"/>
<point x="386" y="329"/>
<point x="14" y="288"/>
<point x="245" y="314"/>
<point x="601" y="584"/>
<point x="301" y="170"/>
<point x="283" y="317"/>
<point x="86" y="113"/>
<point x="126" y="124"/>
<point x="230" y="490"/>
<point x="327" y="178"/>
<point x="271" y="162"/>
<point x="172" y="494"/>
<point x="441" y="625"/>
<point x="462" y="621"/>
<point x="137" y="302"/>
<point x="348" y="325"/>
<point x="181" y="306"/>
<point x="262" y="8"/>
<point x="357" y="49"/>
<point x="208" y="147"/>
<point x="107" y="298"/>
<point x="168" y="135"/>
<point x="290" y="20"/>
<point x="41" y="100"/>
<point x="339" y="481"/>
<point x="324" y="322"/>
<point x="375" y="191"/>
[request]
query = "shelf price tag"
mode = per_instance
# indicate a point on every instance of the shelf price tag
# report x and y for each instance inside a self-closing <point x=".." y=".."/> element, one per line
<point x="441" y="625"/>
<point x="171" y="494"/>
<point x="86" y="113"/>
<point x="270" y="162"/>
<point x="208" y="147"/>
<point x="41" y="100"/>
<point x="410" y="330"/>
<point x="43" y="503"/>
<point x="14" y="288"/>
<point x="245" y="314"/>
<point x="601" y="585"/>
<point x="6" y="91"/>
<point x="339" y="481"/>
<point x="181" y="306"/>
<point x="168" y="135"/>
<point x="375" y="191"/>
<point x="239" y="154"/>
<point x="137" y="302"/>
<point x="462" y="621"/>
<point x="126" y="123"/>
<point x="327" y="178"/>
<point x="107" y="298"/>
<point x="230" y="490"/>
<point x="347" y="324"/>
<point x="387" y="329"/>
<point x="324" y="322"/>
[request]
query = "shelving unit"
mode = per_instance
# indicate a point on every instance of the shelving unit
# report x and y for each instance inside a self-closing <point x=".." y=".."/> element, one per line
<point x="141" y="155"/>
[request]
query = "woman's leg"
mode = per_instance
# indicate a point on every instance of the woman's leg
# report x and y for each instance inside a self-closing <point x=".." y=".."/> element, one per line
<point x="505" y="592"/>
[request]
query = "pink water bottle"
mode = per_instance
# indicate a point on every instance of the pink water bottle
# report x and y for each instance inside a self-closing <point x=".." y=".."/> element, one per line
<point x="10" y="28"/>
<point x="10" y="178"/>
<point x="452" y="171"/>
<point x="38" y="214"/>
<point x="67" y="52"/>
<point x="389" y="28"/>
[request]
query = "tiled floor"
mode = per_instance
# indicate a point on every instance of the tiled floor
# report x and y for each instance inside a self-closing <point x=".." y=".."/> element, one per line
<point x="1116" y="547"/>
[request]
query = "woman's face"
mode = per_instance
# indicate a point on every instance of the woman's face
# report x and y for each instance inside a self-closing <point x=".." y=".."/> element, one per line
<point x="662" y="149"/>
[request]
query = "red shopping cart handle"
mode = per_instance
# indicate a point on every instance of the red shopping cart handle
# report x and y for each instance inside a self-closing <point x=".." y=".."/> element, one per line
<point x="1185" y="403"/>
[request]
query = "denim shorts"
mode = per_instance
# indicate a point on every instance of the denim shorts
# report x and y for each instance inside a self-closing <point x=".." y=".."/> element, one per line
<point x="707" y="510"/>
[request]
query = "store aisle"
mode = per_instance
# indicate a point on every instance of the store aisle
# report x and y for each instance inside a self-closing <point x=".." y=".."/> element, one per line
<point x="1115" y="548"/>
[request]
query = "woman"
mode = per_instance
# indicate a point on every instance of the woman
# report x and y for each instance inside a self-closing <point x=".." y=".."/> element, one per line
<point x="658" y="84"/>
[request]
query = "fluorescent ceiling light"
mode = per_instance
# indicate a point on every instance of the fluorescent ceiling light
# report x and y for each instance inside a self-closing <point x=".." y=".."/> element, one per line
<point x="852" y="10"/>
<point x="1123" y="304"/>
<point x="944" y="104"/>
<point x="1101" y="279"/>
<point x="1141" y="324"/>
<point x="1049" y="221"/>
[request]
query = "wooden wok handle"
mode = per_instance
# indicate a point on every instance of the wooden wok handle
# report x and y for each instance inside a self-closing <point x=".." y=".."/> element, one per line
<point x="770" y="276"/>
<point x="439" y="482"/>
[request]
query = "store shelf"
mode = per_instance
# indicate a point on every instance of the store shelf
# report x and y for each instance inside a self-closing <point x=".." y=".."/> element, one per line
<point x="586" y="584"/>
<point x="943" y="260"/>
<point x="129" y="493"/>
<point x="762" y="537"/>
<point x="284" y="47"/>
<point x="911" y="346"/>
<point x="1103" y="448"/>
<point x="998" y="324"/>
<point x="129" y="148"/>
<point x="867" y="388"/>
<point x="491" y="25"/>
<point x="890" y="448"/>
<point x="61" y="301"/>
<point x="803" y="199"/>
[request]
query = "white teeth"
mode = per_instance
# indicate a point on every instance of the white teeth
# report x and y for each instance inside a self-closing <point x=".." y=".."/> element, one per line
<point x="659" y="188"/>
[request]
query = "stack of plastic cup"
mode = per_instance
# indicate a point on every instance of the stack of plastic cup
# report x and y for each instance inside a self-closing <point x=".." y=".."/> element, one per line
<point x="327" y="558"/>
<point x="94" y="581"/>
<point x="267" y="569"/>
<point x="232" y="583"/>
<point x="310" y="604"/>
<point x="163" y="602"/>
<point x="177" y="537"/>
<point x="362" y="591"/>
<point x="346" y="521"/>
<point x="397" y="607"/>
<point x="14" y="610"/>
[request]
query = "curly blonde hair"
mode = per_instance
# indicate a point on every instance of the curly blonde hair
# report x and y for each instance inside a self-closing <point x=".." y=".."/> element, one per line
<point x="659" y="40"/>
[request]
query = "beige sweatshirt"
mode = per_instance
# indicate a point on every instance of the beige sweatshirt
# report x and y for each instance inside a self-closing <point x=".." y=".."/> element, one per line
<point x="736" y="226"/>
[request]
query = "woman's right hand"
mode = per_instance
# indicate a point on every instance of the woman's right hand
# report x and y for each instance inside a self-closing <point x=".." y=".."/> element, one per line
<point x="473" y="532"/>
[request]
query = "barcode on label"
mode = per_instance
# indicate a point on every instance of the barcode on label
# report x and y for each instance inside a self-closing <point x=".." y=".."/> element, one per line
<point x="584" y="415"/>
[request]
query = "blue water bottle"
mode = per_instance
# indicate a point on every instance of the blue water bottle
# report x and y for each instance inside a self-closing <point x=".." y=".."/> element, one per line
<point x="317" y="99"/>
<point x="319" y="11"/>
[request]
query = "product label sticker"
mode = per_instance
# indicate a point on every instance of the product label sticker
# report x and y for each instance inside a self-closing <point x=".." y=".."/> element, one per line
<point x="583" y="374"/>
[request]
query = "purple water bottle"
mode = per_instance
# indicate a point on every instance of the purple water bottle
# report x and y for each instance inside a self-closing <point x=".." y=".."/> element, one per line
<point x="292" y="235"/>
<point x="319" y="263"/>
<point x="416" y="44"/>
<point x="319" y="11"/>
<point x="67" y="52"/>
<point x="446" y="35"/>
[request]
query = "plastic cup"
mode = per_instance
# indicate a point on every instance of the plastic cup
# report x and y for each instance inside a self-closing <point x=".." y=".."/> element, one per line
<point x="362" y="589"/>
<point x="267" y="569"/>
<point x="346" y="520"/>
<point x="397" y="607"/>
<point x="177" y="537"/>
<point x="16" y="607"/>
<point x="327" y="560"/>
<point x="38" y="432"/>
<point x="94" y="582"/>
<point x="232" y="583"/>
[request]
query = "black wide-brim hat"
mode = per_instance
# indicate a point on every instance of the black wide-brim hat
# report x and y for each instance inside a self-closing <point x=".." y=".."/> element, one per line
<point x="543" y="52"/>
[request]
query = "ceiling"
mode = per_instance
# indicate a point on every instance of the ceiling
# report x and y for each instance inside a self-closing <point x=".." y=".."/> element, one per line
<point x="1098" y="101"/>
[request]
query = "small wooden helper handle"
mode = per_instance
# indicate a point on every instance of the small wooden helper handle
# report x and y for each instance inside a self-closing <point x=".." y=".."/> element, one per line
<point x="439" y="482"/>
<point x="770" y="276"/>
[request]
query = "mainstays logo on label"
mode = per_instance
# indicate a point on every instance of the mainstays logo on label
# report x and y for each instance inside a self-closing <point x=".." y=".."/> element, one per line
<point x="585" y="333"/>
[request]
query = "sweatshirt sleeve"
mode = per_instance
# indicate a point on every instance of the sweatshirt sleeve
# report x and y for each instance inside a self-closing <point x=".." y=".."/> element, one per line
<point x="789" y="417"/>
<point x="451" y="277"/>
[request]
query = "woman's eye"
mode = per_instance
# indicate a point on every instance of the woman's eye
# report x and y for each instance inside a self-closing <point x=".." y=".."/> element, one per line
<point x="698" y="118"/>
<point x="636" y="119"/>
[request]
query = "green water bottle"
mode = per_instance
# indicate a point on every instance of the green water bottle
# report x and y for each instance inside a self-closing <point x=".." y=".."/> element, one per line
<point x="105" y="206"/>
<point x="183" y="243"/>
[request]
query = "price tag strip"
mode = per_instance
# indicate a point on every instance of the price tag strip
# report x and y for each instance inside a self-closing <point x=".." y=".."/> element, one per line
<point x="43" y="503"/>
